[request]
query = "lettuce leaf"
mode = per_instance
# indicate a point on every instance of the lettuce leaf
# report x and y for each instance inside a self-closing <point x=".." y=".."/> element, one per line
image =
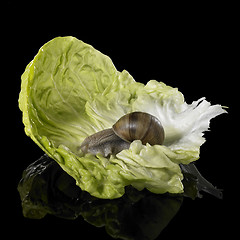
<point x="70" y="91"/>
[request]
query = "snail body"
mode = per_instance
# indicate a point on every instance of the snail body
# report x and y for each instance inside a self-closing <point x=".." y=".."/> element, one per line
<point x="133" y="126"/>
<point x="105" y="142"/>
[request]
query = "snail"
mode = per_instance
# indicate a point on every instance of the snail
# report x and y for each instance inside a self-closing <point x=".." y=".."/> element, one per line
<point x="132" y="126"/>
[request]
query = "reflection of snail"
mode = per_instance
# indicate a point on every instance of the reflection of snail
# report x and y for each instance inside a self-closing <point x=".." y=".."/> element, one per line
<point x="133" y="126"/>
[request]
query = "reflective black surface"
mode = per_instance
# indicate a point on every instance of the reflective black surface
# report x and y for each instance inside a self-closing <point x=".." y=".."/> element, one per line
<point x="45" y="189"/>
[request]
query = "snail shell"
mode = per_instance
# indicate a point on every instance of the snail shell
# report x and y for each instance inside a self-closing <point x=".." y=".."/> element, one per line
<point x="139" y="126"/>
<point x="133" y="126"/>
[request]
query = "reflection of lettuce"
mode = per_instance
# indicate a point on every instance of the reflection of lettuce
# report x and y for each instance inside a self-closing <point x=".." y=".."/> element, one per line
<point x="46" y="189"/>
<point x="70" y="90"/>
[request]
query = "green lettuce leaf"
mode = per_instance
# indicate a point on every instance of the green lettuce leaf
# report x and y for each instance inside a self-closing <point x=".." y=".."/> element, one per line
<point x="70" y="91"/>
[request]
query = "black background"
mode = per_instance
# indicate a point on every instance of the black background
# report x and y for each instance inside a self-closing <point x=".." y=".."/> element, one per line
<point x="188" y="47"/>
